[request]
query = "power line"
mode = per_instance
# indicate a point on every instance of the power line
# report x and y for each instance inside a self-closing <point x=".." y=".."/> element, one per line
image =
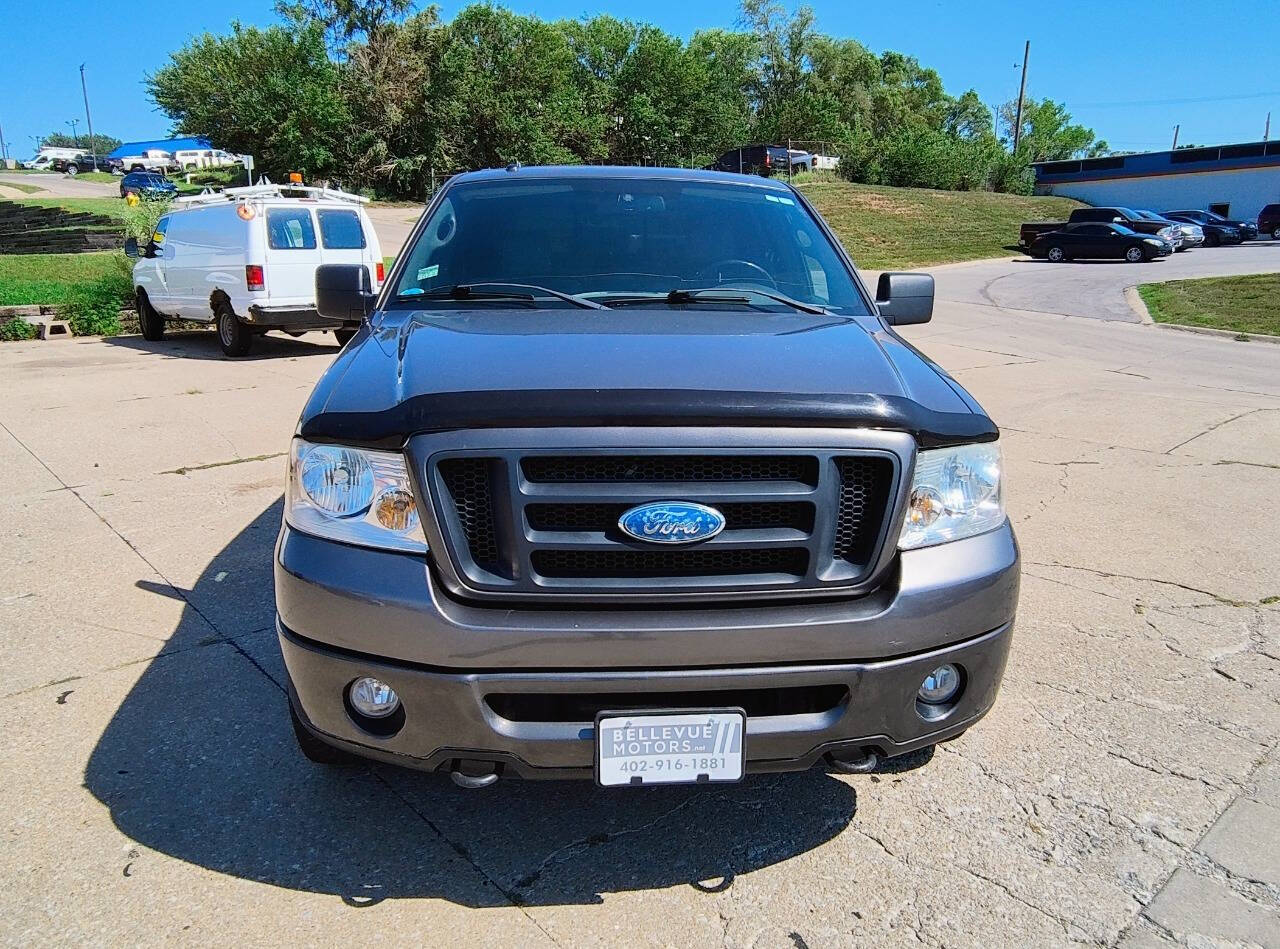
<point x="1188" y="100"/>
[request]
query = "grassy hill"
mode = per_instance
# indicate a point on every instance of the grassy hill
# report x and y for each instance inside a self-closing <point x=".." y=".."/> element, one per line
<point x="914" y="227"/>
<point x="50" y="278"/>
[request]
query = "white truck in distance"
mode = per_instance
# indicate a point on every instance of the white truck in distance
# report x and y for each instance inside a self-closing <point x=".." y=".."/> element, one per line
<point x="153" y="159"/>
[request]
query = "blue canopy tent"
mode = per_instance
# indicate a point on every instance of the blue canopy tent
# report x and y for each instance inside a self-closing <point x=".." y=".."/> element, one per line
<point x="168" y="145"/>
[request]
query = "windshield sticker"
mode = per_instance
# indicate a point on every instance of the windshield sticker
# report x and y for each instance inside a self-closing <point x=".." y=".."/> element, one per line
<point x="778" y="199"/>
<point x="426" y="273"/>
<point x="411" y="292"/>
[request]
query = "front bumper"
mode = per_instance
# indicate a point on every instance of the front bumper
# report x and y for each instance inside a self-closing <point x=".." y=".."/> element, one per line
<point x="344" y="612"/>
<point x="450" y="716"/>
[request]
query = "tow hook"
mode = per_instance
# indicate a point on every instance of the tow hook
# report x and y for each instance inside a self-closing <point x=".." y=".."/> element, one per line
<point x="471" y="774"/>
<point x="854" y="761"/>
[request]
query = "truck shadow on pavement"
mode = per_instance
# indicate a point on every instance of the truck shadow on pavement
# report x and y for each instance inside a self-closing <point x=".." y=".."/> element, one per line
<point x="199" y="763"/>
<point x="203" y="344"/>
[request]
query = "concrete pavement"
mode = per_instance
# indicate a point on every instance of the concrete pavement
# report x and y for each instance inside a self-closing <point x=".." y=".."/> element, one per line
<point x="1125" y="789"/>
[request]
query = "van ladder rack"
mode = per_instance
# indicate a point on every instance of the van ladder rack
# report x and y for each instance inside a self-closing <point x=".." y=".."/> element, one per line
<point x="269" y="190"/>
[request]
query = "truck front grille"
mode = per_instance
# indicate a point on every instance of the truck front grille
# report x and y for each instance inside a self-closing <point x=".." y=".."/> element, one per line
<point x="523" y="522"/>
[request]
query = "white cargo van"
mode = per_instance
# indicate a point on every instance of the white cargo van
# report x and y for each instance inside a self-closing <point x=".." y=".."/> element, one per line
<point x="47" y="156"/>
<point x="245" y="259"/>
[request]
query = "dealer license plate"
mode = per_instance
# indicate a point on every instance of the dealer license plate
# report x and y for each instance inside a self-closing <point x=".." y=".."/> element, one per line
<point x="685" y="747"/>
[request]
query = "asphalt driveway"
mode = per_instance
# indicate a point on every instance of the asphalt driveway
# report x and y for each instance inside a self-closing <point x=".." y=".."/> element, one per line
<point x="1093" y="288"/>
<point x="1126" y="787"/>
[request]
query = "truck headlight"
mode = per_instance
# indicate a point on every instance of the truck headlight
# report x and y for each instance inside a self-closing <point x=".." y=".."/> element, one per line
<point x="353" y="495"/>
<point x="955" y="493"/>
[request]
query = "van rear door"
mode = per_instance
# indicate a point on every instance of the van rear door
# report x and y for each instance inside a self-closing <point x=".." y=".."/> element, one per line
<point x="344" y="239"/>
<point x="292" y="255"/>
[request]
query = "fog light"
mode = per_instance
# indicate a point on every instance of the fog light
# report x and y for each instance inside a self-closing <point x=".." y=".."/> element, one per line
<point x="940" y="685"/>
<point x="373" y="697"/>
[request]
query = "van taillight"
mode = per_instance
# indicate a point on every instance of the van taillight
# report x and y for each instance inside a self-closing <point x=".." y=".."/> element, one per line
<point x="382" y="273"/>
<point x="254" y="278"/>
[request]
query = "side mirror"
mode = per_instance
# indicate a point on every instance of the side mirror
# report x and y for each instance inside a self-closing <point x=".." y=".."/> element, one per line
<point x="344" y="292"/>
<point x="904" y="298"/>
<point x="131" y="247"/>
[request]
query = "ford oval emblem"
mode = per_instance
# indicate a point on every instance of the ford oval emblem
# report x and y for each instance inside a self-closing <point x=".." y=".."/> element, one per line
<point x="671" y="522"/>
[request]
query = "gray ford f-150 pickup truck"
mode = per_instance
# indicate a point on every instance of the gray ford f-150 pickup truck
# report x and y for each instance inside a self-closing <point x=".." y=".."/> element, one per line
<point x="627" y="476"/>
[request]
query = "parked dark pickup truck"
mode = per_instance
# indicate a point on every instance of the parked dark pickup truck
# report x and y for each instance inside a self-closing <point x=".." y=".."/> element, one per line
<point x="1126" y="216"/>
<point x="627" y="476"/>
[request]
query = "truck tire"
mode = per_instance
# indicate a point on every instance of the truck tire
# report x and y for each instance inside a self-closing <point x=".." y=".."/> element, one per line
<point x="1212" y="240"/>
<point x="314" y="749"/>
<point x="235" y="337"/>
<point x="73" y="170"/>
<point x="151" y="322"/>
<point x="343" y="336"/>
<point x="1055" y="254"/>
<point x="1275" y="233"/>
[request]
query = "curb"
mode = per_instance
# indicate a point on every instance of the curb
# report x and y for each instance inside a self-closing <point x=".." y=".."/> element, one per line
<point x="1221" y="334"/>
<point x="1139" y="307"/>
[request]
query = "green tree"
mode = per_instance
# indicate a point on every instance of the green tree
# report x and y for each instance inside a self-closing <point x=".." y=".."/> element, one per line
<point x="1048" y="134"/>
<point x="399" y="144"/>
<point x="968" y="118"/>
<point x="99" y="144"/>
<point x="507" y="85"/>
<point x="273" y="93"/>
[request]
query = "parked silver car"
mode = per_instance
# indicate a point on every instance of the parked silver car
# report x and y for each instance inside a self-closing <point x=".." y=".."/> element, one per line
<point x="1182" y="236"/>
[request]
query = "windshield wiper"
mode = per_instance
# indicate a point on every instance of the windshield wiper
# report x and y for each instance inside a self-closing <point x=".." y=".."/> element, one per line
<point x="476" y="291"/>
<point x="716" y="295"/>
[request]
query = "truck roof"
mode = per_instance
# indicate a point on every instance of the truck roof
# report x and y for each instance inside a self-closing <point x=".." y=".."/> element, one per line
<point x="620" y="172"/>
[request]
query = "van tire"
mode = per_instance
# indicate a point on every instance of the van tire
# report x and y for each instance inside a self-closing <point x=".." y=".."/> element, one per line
<point x="151" y="322"/>
<point x="236" y="338"/>
<point x="343" y="336"/>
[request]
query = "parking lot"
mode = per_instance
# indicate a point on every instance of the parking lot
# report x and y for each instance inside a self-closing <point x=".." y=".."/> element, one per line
<point x="1125" y="789"/>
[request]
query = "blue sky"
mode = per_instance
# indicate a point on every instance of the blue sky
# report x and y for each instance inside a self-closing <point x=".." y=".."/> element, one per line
<point x="1129" y="70"/>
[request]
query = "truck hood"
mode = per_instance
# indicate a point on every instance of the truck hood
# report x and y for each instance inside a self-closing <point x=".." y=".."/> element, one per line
<point x="432" y="370"/>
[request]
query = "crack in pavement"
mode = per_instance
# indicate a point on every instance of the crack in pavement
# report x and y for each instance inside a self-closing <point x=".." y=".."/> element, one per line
<point x="185" y="469"/>
<point x="1213" y="428"/>
<point x="1107" y="574"/>
<point x="511" y="897"/>
<point x="598" y="838"/>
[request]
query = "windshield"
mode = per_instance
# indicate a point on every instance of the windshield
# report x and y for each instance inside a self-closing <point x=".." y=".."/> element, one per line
<point x="608" y="237"/>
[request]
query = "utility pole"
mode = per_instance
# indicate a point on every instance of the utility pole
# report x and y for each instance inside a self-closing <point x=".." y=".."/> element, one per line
<point x="1266" y="132"/>
<point x="1175" y="136"/>
<point x="74" y="137"/>
<point x="1022" y="92"/>
<point x="4" y="152"/>
<point x="93" y="148"/>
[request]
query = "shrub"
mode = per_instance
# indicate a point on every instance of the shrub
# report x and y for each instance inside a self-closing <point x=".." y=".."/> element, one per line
<point x="1011" y="174"/>
<point x="93" y="308"/>
<point x="15" y="329"/>
<point x="140" y="220"/>
<point x="924" y="158"/>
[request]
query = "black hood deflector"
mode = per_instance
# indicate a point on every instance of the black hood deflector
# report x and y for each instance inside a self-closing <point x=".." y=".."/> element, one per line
<point x="546" y="408"/>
